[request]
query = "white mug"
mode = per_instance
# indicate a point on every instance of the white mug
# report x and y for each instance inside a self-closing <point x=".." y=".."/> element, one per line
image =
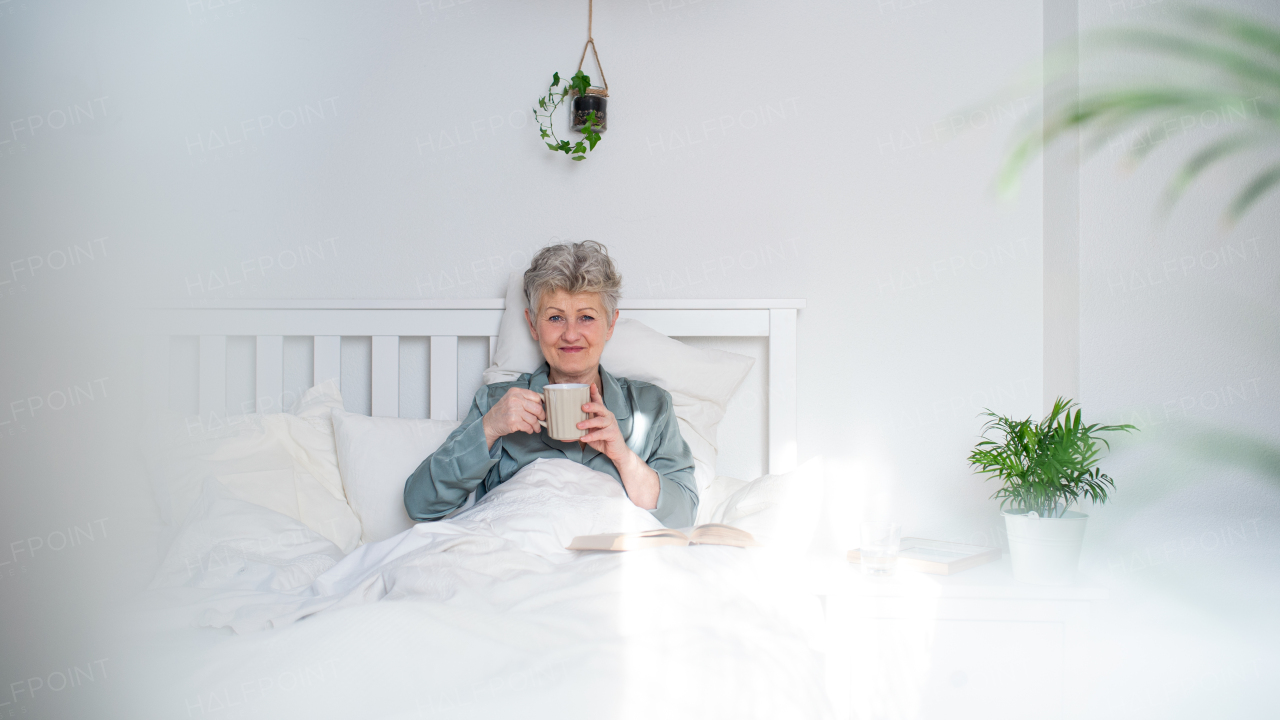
<point x="563" y="404"/>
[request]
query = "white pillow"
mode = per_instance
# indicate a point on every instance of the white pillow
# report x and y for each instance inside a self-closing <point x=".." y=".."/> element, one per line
<point x="701" y="381"/>
<point x="282" y="461"/>
<point x="515" y="352"/>
<point x="781" y="511"/>
<point x="714" y="497"/>
<point x="228" y="543"/>
<point x="376" y="456"/>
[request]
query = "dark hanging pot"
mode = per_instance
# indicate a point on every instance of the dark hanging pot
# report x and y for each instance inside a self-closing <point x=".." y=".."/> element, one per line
<point x="583" y="106"/>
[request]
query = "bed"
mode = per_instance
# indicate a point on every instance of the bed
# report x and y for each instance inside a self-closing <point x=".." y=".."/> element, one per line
<point x="483" y="614"/>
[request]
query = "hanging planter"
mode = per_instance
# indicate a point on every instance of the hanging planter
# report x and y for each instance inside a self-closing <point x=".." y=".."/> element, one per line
<point x="590" y="109"/>
<point x="590" y="103"/>
<point x="587" y="107"/>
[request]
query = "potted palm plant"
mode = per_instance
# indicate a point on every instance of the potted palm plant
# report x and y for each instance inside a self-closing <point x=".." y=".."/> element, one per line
<point x="1045" y="467"/>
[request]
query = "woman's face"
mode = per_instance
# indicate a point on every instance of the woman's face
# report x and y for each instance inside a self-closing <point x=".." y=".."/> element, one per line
<point x="572" y="331"/>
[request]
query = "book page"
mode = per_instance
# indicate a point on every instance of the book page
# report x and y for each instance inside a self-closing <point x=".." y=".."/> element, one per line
<point x="661" y="532"/>
<point x="644" y="541"/>
<point x="629" y="541"/>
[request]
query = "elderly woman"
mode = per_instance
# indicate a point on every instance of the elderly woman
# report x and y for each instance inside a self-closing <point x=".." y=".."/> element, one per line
<point x="573" y="297"/>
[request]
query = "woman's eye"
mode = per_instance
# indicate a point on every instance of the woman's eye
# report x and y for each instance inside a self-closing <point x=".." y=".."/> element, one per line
<point x="586" y="318"/>
<point x="556" y="318"/>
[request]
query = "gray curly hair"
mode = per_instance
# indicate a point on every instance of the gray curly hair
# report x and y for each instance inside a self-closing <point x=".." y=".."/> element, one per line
<point x="581" y="267"/>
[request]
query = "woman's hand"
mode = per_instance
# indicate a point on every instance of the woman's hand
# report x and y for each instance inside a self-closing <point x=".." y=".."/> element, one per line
<point x="605" y="436"/>
<point x="518" y="411"/>
<point x="639" y="480"/>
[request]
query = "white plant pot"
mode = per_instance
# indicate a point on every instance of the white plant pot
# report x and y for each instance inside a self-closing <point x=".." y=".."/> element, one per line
<point x="1045" y="551"/>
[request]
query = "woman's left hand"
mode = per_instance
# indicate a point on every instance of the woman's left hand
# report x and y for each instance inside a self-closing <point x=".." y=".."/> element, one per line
<point x="638" y="479"/>
<point x="605" y="437"/>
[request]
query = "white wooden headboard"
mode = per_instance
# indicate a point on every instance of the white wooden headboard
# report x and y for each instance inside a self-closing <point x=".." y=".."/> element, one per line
<point x="443" y="321"/>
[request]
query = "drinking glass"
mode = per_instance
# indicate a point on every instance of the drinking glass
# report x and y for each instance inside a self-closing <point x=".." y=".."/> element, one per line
<point x="879" y="551"/>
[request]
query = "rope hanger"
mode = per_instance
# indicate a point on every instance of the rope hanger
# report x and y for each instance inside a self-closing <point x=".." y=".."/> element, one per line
<point x="591" y="43"/>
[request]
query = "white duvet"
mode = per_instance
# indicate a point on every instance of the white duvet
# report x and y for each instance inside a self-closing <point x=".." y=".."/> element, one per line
<point x="486" y="615"/>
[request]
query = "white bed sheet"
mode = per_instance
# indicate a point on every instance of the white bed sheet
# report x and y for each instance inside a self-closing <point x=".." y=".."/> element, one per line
<point x="487" y="616"/>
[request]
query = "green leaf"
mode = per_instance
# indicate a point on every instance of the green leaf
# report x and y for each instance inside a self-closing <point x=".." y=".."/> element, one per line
<point x="542" y="103"/>
<point x="1191" y="49"/>
<point x="555" y="79"/>
<point x="580" y="82"/>
<point x="1204" y="61"/>
<point x="1236" y="26"/>
<point x="1256" y="188"/>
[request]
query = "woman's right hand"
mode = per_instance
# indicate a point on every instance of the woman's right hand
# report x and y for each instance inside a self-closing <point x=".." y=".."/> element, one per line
<point x="518" y="411"/>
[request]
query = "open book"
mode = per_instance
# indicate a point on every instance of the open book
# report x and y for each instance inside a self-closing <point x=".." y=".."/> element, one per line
<point x="709" y="534"/>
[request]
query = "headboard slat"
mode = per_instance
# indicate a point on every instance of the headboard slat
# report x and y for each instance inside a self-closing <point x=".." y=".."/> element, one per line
<point x="327" y="358"/>
<point x="213" y="375"/>
<point x="385" y="381"/>
<point x="269" y="372"/>
<point x="443" y="375"/>
<point x="783" y="366"/>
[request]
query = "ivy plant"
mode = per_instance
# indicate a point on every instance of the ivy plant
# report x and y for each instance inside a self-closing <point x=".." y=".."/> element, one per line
<point x="545" y="112"/>
<point x="1044" y="466"/>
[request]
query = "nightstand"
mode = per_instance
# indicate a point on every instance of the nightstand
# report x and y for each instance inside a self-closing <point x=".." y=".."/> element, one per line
<point x="977" y="644"/>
